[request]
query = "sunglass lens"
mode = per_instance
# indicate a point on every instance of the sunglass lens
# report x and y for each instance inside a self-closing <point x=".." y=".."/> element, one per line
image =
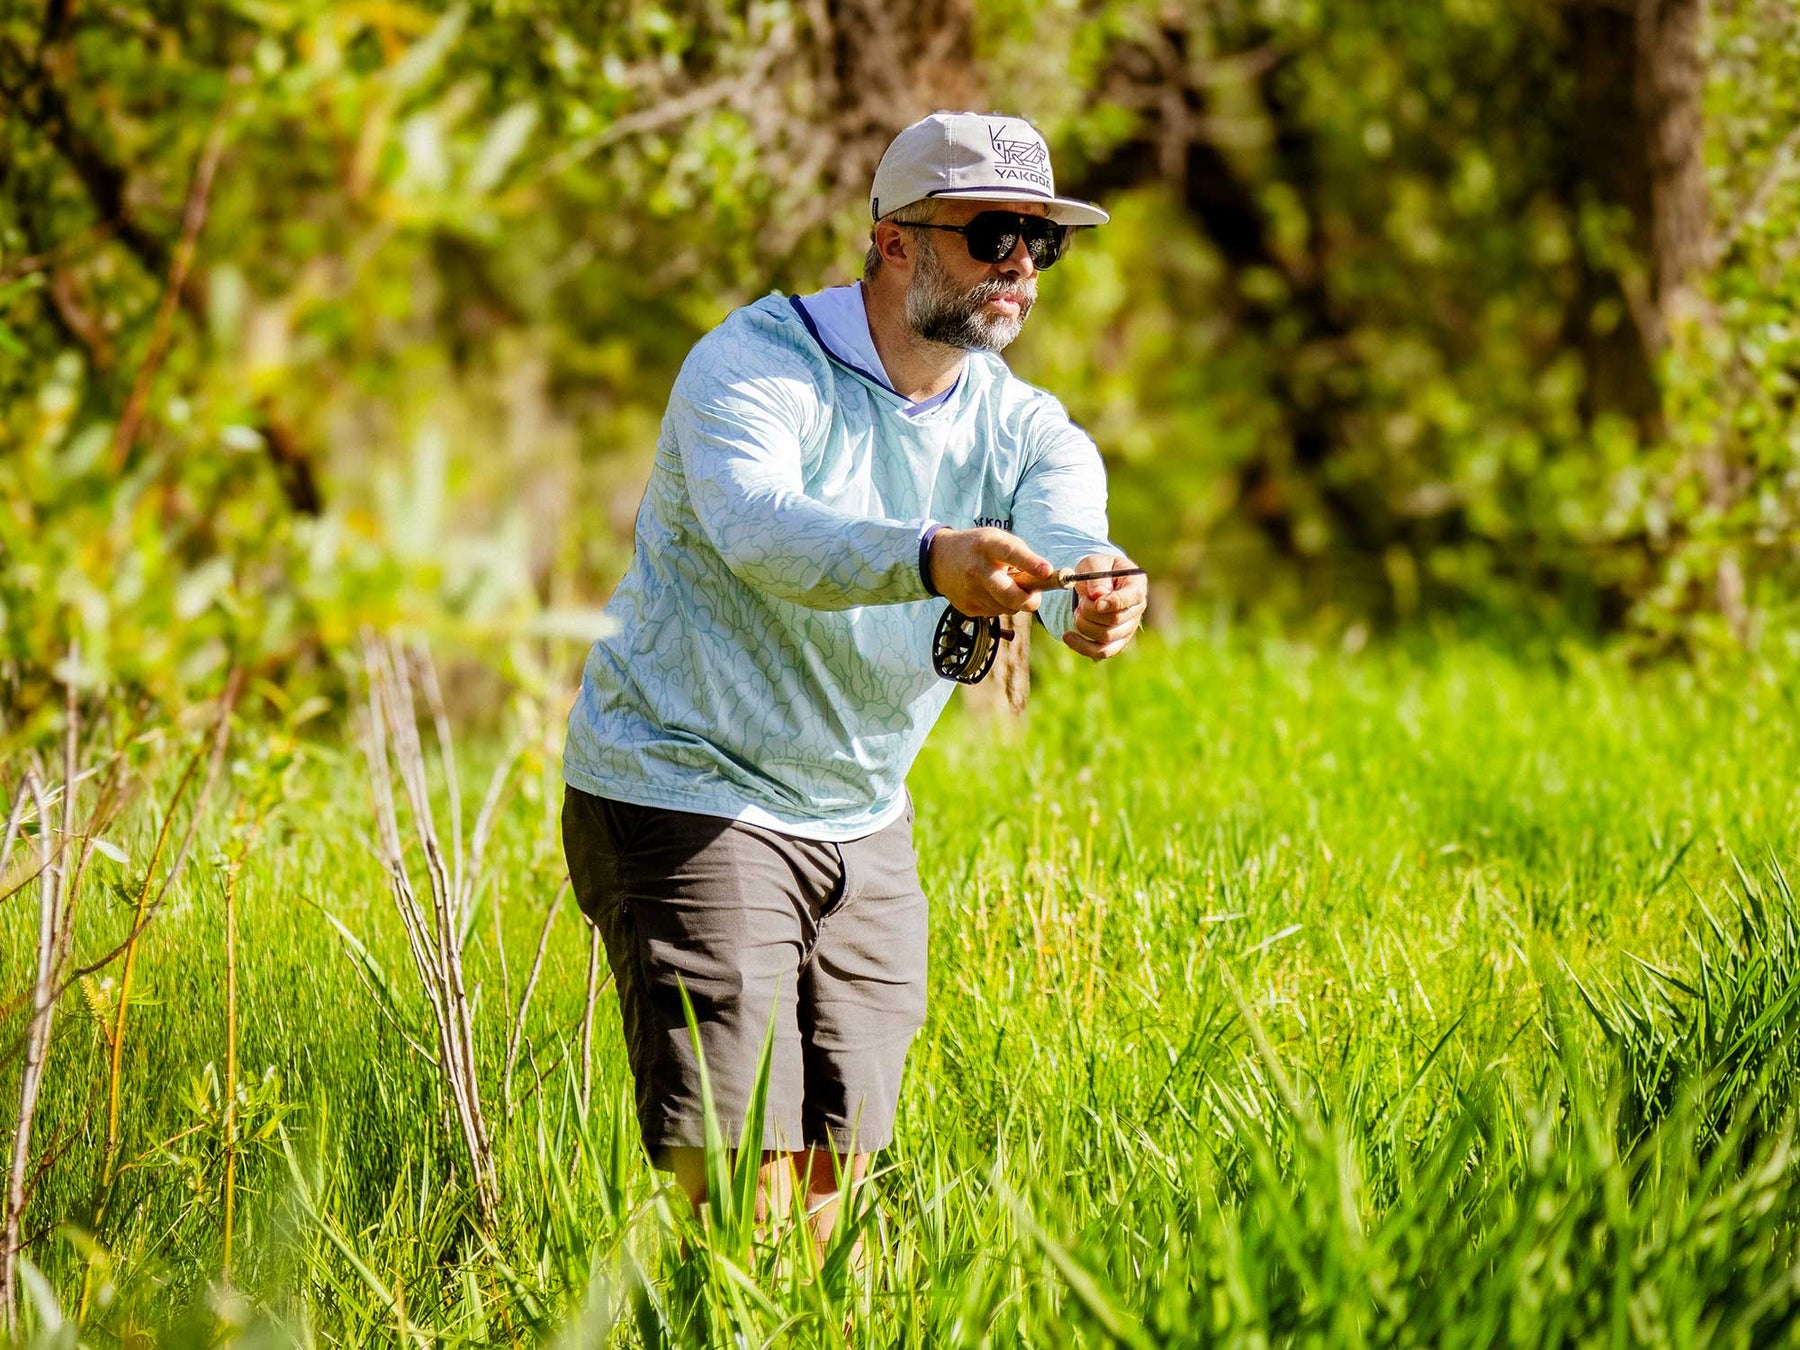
<point x="1044" y="240"/>
<point x="993" y="235"/>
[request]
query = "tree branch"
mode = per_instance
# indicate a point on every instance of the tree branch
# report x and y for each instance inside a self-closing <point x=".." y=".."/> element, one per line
<point x="31" y="84"/>
<point x="193" y="220"/>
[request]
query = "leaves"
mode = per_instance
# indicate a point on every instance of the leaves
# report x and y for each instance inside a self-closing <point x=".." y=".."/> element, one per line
<point x="488" y="238"/>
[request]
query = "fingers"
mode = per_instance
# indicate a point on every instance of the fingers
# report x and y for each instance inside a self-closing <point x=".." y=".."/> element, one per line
<point x="1008" y="597"/>
<point x="986" y="572"/>
<point x="1010" y="551"/>
<point x="1095" y="651"/>
<point x="1108" y="610"/>
<point x="1123" y="598"/>
<point x="1103" y="586"/>
<point x="1121" y="602"/>
<point x="1112" y="635"/>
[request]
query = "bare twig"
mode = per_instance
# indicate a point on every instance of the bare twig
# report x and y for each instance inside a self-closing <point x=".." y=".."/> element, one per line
<point x="537" y="966"/>
<point x="56" y="256"/>
<point x="1781" y="164"/>
<point x="426" y="673"/>
<point x="234" y="866"/>
<point x="37" y="1040"/>
<point x="147" y="907"/>
<point x="498" y="782"/>
<point x="13" y="820"/>
<point x="587" y="1017"/>
<point x="390" y="736"/>
<point x="56" y="908"/>
<point x="193" y="219"/>
<point x="52" y="797"/>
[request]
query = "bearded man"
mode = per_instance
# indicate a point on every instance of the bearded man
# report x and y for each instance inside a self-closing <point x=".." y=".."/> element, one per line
<point x="736" y="821"/>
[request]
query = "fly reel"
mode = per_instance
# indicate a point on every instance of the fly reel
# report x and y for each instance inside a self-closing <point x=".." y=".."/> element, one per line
<point x="964" y="647"/>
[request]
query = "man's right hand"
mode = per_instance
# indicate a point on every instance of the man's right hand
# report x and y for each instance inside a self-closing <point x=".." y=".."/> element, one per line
<point x="985" y="571"/>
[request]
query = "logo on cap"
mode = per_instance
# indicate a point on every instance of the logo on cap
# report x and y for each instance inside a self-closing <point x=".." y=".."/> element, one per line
<point x="1029" y="160"/>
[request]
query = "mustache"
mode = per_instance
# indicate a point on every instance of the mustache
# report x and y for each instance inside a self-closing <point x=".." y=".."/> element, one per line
<point x="1025" y="292"/>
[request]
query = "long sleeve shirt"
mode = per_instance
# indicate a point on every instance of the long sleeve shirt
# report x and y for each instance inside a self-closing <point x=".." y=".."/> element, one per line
<point x="771" y="653"/>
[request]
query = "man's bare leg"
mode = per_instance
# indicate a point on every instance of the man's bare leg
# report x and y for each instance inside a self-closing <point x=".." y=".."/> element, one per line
<point x="774" y="1188"/>
<point x="815" y="1169"/>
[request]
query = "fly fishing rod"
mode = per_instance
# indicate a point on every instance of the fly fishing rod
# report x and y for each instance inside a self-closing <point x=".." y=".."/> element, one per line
<point x="965" y="646"/>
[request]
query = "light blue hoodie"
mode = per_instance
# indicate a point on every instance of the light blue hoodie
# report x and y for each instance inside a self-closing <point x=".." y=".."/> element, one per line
<point x="772" y="657"/>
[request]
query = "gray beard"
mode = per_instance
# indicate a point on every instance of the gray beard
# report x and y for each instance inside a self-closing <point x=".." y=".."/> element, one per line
<point x="938" y="312"/>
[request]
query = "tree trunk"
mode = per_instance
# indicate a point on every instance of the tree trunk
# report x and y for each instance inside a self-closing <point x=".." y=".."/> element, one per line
<point x="889" y="65"/>
<point x="1637" y="143"/>
<point x="1308" y="375"/>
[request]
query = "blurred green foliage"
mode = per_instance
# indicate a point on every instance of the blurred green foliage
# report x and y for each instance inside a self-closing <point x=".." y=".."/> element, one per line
<point x="452" y="258"/>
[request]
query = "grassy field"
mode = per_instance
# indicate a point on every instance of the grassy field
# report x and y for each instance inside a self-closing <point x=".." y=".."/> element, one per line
<point x="1278" y="998"/>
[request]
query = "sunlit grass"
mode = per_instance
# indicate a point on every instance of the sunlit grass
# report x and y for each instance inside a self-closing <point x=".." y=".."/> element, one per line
<point x="1277" y="998"/>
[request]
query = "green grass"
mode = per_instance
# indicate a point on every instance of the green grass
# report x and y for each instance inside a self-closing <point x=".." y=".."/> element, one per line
<point x="1409" y="998"/>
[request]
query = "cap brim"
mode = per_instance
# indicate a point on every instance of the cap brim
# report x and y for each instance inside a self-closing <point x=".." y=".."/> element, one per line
<point x="1063" y="210"/>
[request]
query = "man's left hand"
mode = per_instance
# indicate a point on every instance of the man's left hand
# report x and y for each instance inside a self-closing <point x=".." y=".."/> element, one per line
<point x="1107" y="611"/>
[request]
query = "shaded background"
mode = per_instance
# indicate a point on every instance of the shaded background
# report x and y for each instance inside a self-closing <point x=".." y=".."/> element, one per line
<point x="1463" y="329"/>
<point x="314" y="315"/>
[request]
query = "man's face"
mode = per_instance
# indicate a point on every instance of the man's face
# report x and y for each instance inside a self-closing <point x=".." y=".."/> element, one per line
<point x="954" y="300"/>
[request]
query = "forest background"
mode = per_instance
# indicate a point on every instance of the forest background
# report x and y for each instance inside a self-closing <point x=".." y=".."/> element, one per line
<point x="315" y="315"/>
<point x="1444" y="357"/>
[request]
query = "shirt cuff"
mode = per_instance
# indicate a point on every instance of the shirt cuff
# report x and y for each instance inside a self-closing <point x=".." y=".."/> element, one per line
<point x="926" y="535"/>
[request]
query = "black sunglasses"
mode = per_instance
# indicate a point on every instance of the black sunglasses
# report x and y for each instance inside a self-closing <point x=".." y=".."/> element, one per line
<point x="993" y="235"/>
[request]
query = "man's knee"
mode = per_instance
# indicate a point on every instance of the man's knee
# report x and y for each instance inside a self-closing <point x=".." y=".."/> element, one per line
<point x="774" y="1192"/>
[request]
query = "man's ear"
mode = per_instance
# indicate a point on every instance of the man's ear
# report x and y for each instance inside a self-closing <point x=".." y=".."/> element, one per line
<point x="894" y="244"/>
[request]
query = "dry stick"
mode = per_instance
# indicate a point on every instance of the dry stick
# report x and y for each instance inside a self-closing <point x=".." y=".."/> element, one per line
<point x="231" y="877"/>
<point x="388" y="829"/>
<point x="143" y="913"/>
<point x="484" y="824"/>
<point x="453" y="888"/>
<point x="412" y="761"/>
<point x="193" y="218"/>
<point x="440" y="722"/>
<point x="58" y="883"/>
<point x="467" y="870"/>
<point x="392" y="740"/>
<point x="13" y="820"/>
<point x="498" y="782"/>
<point x="233" y="868"/>
<point x="541" y="1075"/>
<point x="374" y="738"/>
<point x="146" y="909"/>
<point x="587" y="1017"/>
<point x="37" y="1038"/>
<point x="500" y="954"/>
<point x="55" y="908"/>
<point x="537" y="966"/>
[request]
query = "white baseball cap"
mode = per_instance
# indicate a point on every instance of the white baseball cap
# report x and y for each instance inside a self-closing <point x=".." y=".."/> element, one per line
<point x="980" y="155"/>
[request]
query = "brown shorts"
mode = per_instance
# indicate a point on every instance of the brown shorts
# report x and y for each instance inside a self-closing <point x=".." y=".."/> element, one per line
<point x="829" y="937"/>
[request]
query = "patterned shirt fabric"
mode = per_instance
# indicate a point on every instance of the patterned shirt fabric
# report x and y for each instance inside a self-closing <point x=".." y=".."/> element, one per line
<point x="771" y="657"/>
